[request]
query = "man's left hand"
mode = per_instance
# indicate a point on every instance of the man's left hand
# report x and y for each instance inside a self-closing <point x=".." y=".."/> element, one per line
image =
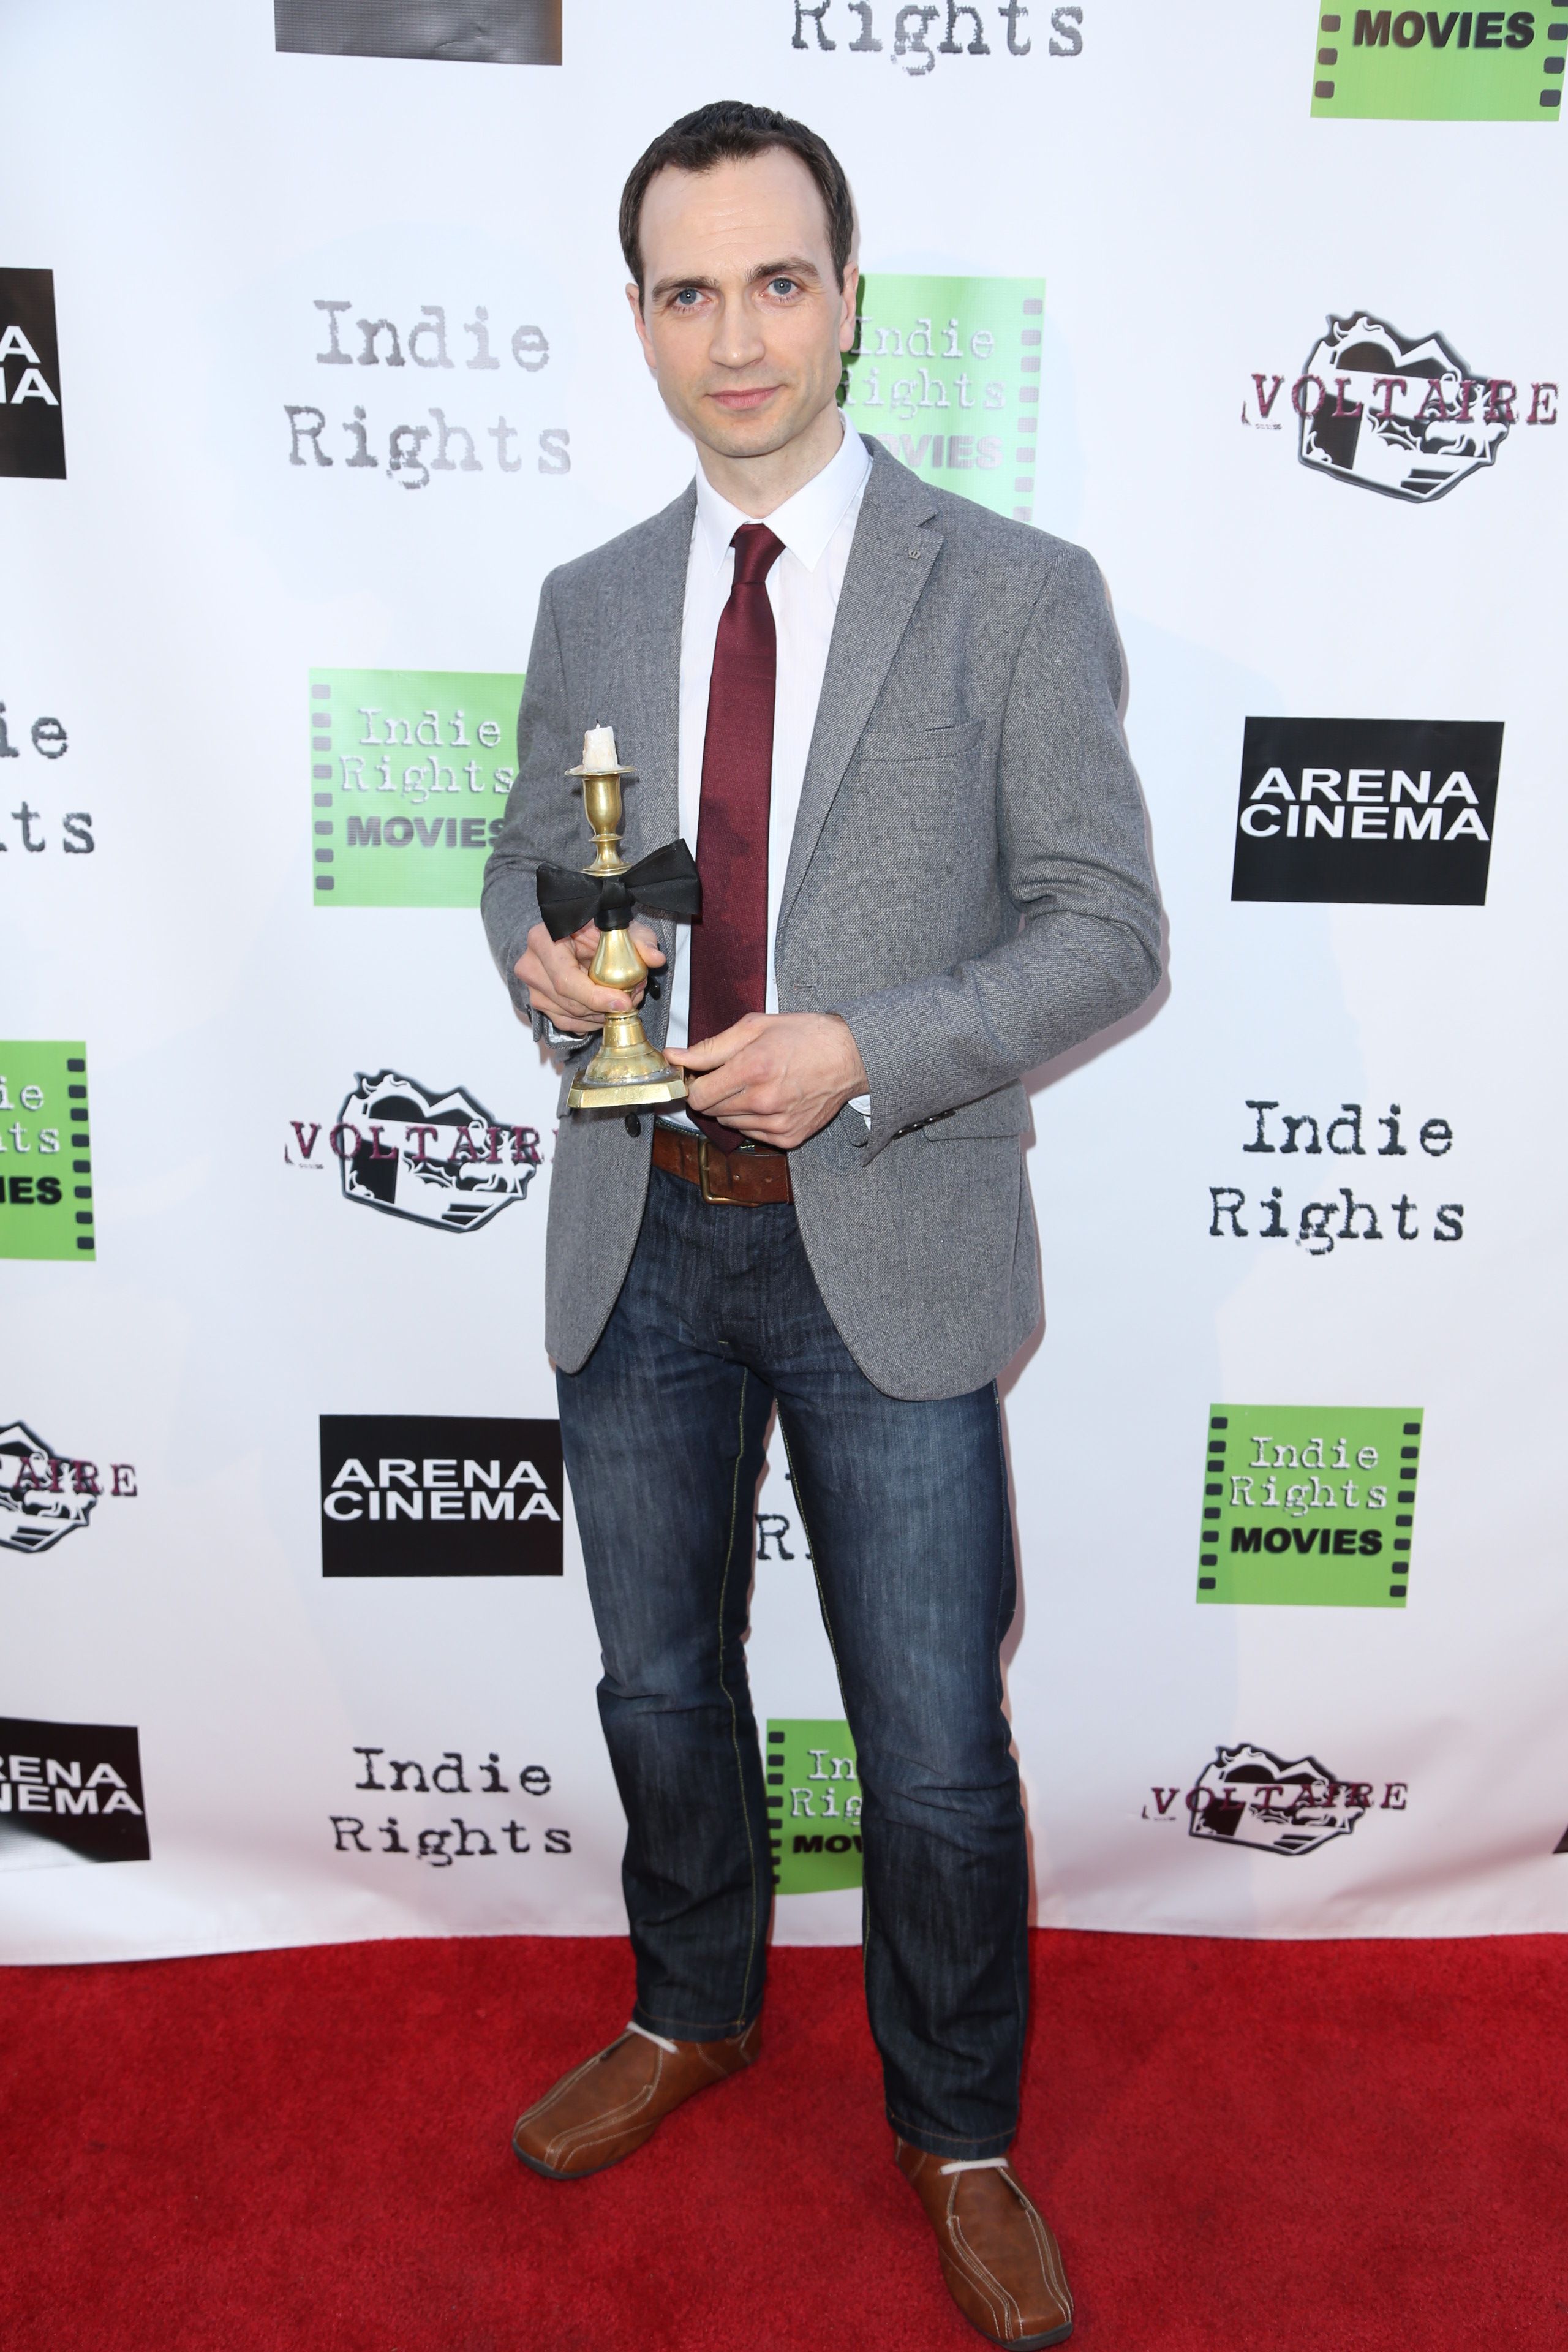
<point x="775" y="1077"/>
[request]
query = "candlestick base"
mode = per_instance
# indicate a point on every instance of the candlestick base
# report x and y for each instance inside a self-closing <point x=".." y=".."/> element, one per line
<point x="627" y="1073"/>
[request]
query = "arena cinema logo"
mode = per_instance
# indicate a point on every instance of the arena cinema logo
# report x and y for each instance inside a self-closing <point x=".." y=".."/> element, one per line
<point x="954" y="364"/>
<point x="69" y="1792"/>
<point x="1249" y="1796"/>
<point x="457" y="1839"/>
<point x="456" y="447"/>
<point x="1309" y="1506"/>
<point x="407" y="792"/>
<point x="49" y="742"/>
<point x="911" y="30"/>
<point x="1367" y="811"/>
<point x="1440" y="64"/>
<point x="45" y="1496"/>
<point x="1318" y="1225"/>
<point x="813" y="1806"/>
<point x="1409" y="418"/>
<point x="447" y="1163"/>
<point x="438" y="1496"/>
<point x="32" y="420"/>
<point x="504" y="33"/>
<point x="44" y="1193"/>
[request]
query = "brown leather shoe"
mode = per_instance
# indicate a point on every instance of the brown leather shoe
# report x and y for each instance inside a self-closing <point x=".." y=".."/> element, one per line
<point x="1003" y="2267"/>
<point x="606" y="2107"/>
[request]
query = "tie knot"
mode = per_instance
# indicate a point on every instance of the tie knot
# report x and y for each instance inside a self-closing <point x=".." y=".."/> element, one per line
<point x="757" y="549"/>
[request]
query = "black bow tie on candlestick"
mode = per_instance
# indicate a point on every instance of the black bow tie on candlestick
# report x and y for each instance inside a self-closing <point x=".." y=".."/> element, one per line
<point x="665" y="882"/>
<point x="626" y="1071"/>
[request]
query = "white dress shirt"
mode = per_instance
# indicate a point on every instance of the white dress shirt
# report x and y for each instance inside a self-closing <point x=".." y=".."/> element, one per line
<point x="817" y="528"/>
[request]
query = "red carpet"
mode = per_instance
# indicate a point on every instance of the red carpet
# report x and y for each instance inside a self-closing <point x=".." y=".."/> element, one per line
<point x="1244" y="2148"/>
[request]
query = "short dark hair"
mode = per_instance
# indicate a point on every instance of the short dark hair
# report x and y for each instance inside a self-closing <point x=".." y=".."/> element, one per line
<point x="725" y="132"/>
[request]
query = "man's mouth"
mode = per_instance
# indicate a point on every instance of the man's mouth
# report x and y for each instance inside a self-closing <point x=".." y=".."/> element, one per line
<point x="738" y="403"/>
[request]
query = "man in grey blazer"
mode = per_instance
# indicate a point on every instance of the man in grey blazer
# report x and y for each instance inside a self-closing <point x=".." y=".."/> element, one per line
<point x="890" y="720"/>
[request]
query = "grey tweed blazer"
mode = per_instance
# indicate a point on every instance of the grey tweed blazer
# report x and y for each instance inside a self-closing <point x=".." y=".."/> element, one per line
<point x="969" y="884"/>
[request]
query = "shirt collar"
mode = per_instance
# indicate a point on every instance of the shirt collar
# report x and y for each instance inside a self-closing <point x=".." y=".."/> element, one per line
<point x="807" y="521"/>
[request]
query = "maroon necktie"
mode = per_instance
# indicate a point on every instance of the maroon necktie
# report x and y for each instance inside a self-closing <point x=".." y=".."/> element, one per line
<point x="730" y="945"/>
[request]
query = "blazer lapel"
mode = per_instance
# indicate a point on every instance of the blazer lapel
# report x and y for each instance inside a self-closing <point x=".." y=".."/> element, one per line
<point x="889" y="564"/>
<point x="650" y="614"/>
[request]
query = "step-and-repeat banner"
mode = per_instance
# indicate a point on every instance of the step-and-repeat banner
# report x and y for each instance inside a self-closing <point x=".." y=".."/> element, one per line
<point x="316" y="359"/>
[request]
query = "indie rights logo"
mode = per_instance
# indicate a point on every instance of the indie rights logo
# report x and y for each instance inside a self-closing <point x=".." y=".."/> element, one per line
<point x="947" y="372"/>
<point x="410" y="771"/>
<point x="45" y="1165"/>
<point x="416" y="452"/>
<point x="478" y="1833"/>
<point x="1318" y="1227"/>
<point x="35" y="827"/>
<point x="1440" y="64"/>
<point x="1309" y="1506"/>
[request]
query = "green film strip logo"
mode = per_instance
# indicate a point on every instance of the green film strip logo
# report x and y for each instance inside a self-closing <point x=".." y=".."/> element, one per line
<point x="409" y="774"/>
<point x="1441" y="64"/>
<point x="945" y="371"/>
<point x="1309" y="1506"/>
<point x="45" y="1152"/>
<point x="813" y="1806"/>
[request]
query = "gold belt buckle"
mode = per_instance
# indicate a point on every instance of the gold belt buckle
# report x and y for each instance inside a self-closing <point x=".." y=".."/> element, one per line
<point x="719" y="1200"/>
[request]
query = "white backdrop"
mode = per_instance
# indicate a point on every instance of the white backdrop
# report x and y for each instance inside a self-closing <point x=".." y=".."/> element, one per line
<point x="195" y="194"/>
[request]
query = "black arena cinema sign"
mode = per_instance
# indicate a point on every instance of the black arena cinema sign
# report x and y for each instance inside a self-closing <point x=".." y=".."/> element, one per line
<point x="1367" y="811"/>
<point x="428" y="1496"/>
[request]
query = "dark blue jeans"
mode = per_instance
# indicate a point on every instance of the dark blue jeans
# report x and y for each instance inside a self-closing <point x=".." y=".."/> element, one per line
<point x="906" y="1514"/>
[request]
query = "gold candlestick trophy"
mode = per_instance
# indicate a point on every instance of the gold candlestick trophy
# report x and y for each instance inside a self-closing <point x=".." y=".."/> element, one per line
<point x="627" y="1072"/>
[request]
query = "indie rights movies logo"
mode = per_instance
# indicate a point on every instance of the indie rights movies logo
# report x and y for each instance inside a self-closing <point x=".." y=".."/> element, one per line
<point x="504" y="33"/>
<point x="32" y="420"/>
<point x="911" y="47"/>
<point x="49" y="742"/>
<point x="69" y="1792"/>
<point x="448" y="1163"/>
<point x="1407" y="417"/>
<point x="946" y="371"/>
<point x="1249" y="1796"/>
<point x="46" y="1495"/>
<point x="1367" y="811"/>
<point x="415" y="453"/>
<point x="1308" y="1506"/>
<point x="457" y="1838"/>
<point x="1318" y="1225"/>
<point x="46" y="1170"/>
<point x="409" y="774"/>
<point x="813" y="1806"/>
<point x="1440" y="64"/>
<point x="434" y="1496"/>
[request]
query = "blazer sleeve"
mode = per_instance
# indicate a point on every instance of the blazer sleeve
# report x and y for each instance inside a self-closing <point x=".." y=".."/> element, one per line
<point x="1077" y="870"/>
<point x="543" y="818"/>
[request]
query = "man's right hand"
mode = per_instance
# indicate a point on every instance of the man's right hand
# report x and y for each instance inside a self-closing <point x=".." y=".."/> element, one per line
<point x="556" y="974"/>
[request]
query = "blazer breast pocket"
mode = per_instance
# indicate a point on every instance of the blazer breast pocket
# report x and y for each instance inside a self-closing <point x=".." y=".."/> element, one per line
<point x="903" y="745"/>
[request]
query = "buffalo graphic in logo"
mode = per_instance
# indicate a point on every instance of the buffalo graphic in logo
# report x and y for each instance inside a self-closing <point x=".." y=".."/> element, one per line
<point x="440" y="1160"/>
<point x="43" y="1495"/>
<point x="1409" y="419"/>
<point x="1247" y="1796"/>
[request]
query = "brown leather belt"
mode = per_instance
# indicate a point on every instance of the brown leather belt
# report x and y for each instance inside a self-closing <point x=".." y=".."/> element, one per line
<point x="752" y="1178"/>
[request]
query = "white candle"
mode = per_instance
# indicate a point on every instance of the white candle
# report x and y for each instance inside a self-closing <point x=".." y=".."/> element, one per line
<point x="599" y="749"/>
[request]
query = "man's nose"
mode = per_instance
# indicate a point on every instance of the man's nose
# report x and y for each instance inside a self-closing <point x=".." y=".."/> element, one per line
<point x="738" y="338"/>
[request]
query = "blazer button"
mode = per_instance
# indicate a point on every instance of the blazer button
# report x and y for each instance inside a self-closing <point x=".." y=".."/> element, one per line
<point x="633" y="1124"/>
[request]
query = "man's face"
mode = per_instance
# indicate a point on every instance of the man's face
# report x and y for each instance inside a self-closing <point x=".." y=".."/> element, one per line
<point x="743" y="323"/>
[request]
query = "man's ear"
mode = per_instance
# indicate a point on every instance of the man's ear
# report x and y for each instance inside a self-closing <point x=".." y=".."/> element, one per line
<point x="634" y="301"/>
<point x="847" y="323"/>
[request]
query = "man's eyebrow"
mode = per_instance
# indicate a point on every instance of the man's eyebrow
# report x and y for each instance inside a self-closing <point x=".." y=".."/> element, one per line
<point x="677" y="285"/>
<point x="793" y="265"/>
